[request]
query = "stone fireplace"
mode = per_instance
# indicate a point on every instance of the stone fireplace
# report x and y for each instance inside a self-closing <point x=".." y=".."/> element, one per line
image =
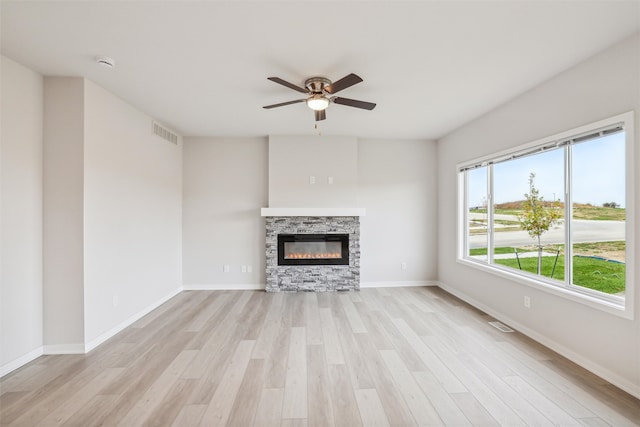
<point x="312" y="253"/>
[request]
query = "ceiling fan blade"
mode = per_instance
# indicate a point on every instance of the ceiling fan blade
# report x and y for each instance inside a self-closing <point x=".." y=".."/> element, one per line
<point x="287" y="84"/>
<point x="282" y="104"/>
<point x="354" y="103"/>
<point x="320" y="115"/>
<point x="343" y="83"/>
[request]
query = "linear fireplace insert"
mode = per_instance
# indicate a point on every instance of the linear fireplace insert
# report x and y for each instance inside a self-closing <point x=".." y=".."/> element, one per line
<point x="313" y="249"/>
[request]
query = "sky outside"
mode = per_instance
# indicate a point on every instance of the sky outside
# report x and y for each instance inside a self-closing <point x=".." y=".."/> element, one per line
<point x="598" y="174"/>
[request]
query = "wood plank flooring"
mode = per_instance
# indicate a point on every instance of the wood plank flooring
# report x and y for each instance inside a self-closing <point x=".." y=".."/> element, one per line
<point x="378" y="357"/>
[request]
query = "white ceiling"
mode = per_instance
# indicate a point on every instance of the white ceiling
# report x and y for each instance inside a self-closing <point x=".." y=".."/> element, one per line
<point x="201" y="67"/>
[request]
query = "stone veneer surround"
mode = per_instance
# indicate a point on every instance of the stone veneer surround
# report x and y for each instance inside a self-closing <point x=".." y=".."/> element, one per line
<point x="318" y="278"/>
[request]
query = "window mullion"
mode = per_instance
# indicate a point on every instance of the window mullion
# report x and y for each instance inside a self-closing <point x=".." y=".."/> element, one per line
<point x="490" y="226"/>
<point x="568" y="215"/>
<point x="465" y="202"/>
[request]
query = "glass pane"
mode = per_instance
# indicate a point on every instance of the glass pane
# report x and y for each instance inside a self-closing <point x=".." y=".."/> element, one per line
<point x="528" y="214"/>
<point x="477" y="203"/>
<point x="599" y="214"/>
<point x="312" y="250"/>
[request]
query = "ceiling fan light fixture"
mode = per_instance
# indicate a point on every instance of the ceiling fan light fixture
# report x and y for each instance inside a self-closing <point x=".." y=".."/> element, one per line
<point x="320" y="93"/>
<point x="317" y="102"/>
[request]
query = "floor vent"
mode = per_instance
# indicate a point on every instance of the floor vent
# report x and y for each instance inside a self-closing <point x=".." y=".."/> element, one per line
<point x="164" y="133"/>
<point x="501" y="327"/>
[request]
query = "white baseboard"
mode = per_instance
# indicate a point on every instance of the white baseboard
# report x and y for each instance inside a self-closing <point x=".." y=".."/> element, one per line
<point x="578" y="359"/>
<point x="119" y="327"/>
<point x="405" y="284"/>
<point x="21" y="361"/>
<point x="64" y="349"/>
<point x="225" y="287"/>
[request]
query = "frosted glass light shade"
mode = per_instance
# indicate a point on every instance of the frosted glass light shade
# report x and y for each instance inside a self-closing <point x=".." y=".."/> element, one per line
<point x="317" y="102"/>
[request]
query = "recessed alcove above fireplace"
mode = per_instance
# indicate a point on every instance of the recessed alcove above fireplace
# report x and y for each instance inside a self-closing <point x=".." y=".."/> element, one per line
<point x="313" y="182"/>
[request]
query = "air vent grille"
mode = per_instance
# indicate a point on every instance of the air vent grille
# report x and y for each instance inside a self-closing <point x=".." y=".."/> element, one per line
<point x="501" y="326"/>
<point x="164" y="133"/>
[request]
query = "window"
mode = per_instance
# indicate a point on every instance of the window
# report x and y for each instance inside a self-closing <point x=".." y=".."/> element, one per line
<point x="553" y="213"/>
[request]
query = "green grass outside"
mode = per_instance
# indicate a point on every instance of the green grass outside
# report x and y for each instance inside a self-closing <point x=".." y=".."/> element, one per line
<point x="597" y="248"/>
<point x="577" y="247"/>
<point x="592" y="273"/>
<point x="483" y="251"/>
<point x="603" y="276"/>
<point x="600" y="214"/>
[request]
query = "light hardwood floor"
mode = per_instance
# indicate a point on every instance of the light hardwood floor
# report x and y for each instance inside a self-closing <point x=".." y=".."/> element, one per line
<point x="378" y="357"/>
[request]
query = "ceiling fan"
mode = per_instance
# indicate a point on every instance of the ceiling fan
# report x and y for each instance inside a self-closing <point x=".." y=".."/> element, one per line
<point x="319" y="91"/>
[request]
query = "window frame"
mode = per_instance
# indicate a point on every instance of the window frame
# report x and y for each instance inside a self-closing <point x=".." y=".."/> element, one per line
<point x="619" y="306"/>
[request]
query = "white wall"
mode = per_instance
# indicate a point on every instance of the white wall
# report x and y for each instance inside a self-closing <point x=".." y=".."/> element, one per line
<point x="132" y="214"/>
<point x="21" y="214"/>
<point x="606" y="85"/>
<point x="225" y="185"/>
<point x="397" y="186"/>
<point x="63" y="214"/>
<point x="293" y="159"/>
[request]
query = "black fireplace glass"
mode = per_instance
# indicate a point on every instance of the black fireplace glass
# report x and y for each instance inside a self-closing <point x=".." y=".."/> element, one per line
<point x="313" y="249"/>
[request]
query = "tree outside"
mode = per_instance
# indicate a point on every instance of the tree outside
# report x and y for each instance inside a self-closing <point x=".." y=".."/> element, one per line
<point x="538" y="216"/>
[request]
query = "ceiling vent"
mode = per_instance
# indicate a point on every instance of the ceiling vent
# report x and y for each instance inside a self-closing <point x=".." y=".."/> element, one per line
<point x="164" y="133"/>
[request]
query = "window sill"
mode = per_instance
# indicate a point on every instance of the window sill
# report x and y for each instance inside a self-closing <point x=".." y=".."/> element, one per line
<point x="623" y="309"/>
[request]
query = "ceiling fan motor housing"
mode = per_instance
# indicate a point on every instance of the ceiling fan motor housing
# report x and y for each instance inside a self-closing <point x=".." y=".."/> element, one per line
<point x="317" y="84"/>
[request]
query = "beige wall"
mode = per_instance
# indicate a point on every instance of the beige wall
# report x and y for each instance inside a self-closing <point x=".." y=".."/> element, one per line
<point x="132" y="214"/>
<point x="63" y="214"/>
<point x="397" y="186"/>
<point x="20" y="214"/>
<point x="91" y="216"/>
<point x="113" y="216"/>
<point x="225" y="185"/>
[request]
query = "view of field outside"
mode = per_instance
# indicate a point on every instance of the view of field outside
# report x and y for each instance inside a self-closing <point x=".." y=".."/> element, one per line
<point x="597" y="223"/>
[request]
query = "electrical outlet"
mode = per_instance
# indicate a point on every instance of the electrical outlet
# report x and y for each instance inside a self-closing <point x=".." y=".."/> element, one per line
<point x="226" y="268"/>
<point x="330" y="180"/>
<point x="527" y="301"/>
<point x="249" y="269"/>
<point x="312" y="179"/>
<point x="244" y="268"/>
<point x="403" y="266"/>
